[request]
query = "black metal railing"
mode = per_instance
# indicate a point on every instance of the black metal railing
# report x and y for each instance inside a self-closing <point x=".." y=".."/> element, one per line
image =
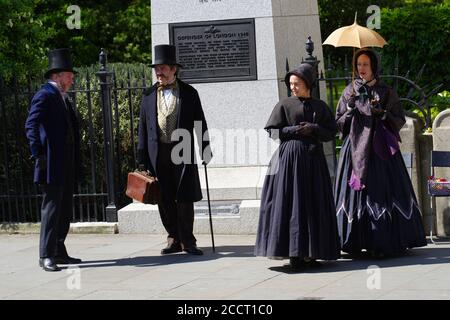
<point x="101" y="191"/>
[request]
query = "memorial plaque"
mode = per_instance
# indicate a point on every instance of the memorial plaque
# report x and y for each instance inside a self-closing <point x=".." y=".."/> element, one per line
<point x="214" y="51"/>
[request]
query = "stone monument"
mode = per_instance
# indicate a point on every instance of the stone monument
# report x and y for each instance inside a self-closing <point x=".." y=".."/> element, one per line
<point x="235" y="53"/>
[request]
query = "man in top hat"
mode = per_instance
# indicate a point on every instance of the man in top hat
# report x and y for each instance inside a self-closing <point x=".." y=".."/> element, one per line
<point x="53" y="133"/>
<point x="170" y="111"/>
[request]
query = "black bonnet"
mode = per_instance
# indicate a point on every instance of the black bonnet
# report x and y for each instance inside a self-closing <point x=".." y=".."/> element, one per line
<point x="304" y="71"/>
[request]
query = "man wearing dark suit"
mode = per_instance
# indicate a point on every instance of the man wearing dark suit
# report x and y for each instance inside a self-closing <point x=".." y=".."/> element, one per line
<point x="171" y="110"/>
<point x="53" y="133"/>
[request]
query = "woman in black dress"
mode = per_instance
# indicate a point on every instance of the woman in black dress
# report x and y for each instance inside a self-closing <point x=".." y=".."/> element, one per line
<point x="375" y="202"/>
<point x="297" y="213"/>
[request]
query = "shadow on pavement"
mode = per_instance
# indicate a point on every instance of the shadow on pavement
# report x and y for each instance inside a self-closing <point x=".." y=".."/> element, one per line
<point x="158" y="260"/>
<point x="430" y="255"/>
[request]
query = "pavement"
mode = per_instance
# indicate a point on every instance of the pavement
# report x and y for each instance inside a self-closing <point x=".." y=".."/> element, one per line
<point x="129" y="266"/>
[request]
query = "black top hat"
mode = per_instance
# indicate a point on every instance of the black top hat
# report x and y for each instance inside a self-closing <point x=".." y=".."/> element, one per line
<point x="165" y="54"/>
<point x="59" y="60"/>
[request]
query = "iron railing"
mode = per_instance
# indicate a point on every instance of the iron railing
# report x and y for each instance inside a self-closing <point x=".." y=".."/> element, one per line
<point x="101" y="190"/>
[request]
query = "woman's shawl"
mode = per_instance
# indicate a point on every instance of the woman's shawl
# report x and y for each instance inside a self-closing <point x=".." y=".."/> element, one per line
<point x="366" y="130"/>
<point x="291" y="111"/>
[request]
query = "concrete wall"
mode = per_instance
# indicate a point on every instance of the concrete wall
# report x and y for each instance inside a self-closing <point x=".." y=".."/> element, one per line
<point x="281" y="30"/>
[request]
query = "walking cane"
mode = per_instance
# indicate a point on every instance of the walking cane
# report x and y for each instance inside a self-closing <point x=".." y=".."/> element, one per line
<point x="209" y="207"/>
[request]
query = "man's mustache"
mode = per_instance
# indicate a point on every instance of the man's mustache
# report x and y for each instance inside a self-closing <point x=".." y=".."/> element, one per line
<point x="160" y="75"/>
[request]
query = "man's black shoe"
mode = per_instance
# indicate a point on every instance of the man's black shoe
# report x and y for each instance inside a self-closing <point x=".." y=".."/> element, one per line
<point x="48" y="264"/>
<point x="194" y="251"/>
<point x="172" y="248"/>
<point x="67" y="260"/>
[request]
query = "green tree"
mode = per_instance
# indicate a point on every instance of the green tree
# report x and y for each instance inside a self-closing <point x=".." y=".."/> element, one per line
<point x="418" y="35"/>
<point x="339" y="13"/>
<point x="335" y="14"/>
<point x="133" y="42"/>
<point x="121" y="27"/>
<point x="21" y="39"/>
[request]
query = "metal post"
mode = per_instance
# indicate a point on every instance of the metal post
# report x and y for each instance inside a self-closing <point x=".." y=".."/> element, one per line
<point x="209" y="208"/>
<point x="315" y="91"/>
<point x="309" y="46"/>
<point x="287" y="70"/>
<point x="103" y="74"/>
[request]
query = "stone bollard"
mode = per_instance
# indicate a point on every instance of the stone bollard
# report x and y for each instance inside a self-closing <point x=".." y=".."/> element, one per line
<point x="441" y="142"/>
<point x="410" y="144"/>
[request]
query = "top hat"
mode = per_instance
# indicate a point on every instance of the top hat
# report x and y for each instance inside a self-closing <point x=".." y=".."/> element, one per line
<point x="304" y="71"/>
<point x="59" y="60"/>
<point x="165" y="54"/>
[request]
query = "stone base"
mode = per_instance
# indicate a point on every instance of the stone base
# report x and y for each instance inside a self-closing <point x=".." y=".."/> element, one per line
<point x="78" y="227"/>
<point x="144" y="218"/>
<point x="234" y="194"/>
<point x="94" y="227"/>
<point x="233" y="183"/>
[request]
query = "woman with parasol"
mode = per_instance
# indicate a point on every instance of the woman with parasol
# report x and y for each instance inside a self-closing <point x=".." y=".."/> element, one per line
<point x="376" y="206"/>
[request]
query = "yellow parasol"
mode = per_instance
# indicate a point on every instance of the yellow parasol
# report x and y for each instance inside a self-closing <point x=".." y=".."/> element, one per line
<point x="355" y="36"/>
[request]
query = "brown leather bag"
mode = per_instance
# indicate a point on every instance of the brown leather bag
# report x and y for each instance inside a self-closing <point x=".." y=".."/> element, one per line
<point x="143" y="187"/>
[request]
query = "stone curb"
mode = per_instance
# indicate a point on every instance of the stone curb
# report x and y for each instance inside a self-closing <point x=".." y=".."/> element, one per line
<point x="78" y="227"/>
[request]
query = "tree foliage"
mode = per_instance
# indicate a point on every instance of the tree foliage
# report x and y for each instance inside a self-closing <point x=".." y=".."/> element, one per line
<point x="121" y="27"/>
<point x="29" y="28"/>
<point x="21" y="39"/>
<point x="418" y="35"/>
<point x="339" y="13"/>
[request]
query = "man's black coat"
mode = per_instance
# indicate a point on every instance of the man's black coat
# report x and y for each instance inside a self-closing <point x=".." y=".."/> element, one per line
<point x="189" y="112"/>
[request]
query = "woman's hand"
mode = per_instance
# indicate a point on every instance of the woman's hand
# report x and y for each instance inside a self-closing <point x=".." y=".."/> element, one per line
<point x="351" y="102"/>
<point x="351" y="105"/>
<point x="306" y="128"/>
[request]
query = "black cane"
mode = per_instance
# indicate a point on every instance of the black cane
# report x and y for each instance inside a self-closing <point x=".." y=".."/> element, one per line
<point x="209" y="207"/>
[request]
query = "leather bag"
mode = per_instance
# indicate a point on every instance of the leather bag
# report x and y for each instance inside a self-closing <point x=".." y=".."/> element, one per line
<point x="143" y="187"/>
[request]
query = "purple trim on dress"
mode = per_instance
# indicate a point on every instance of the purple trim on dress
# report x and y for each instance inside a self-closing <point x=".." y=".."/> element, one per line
<point x="385" y="143"/>
<point x="355" y="182"/>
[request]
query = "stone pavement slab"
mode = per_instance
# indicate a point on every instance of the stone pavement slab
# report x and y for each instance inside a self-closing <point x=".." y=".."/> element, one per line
<point x="129" y="266"/>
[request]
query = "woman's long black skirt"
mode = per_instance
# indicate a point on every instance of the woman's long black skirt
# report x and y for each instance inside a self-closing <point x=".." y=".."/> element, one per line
<point x="297" y="213"/>
<point x="384" y="217"/>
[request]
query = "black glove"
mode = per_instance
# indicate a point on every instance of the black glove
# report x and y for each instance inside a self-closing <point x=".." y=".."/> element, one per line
<point x="290" y="131"/>
<point x="306" y="128"/>
<point x="41" y="162"/>
<point x="351" y="102"/>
